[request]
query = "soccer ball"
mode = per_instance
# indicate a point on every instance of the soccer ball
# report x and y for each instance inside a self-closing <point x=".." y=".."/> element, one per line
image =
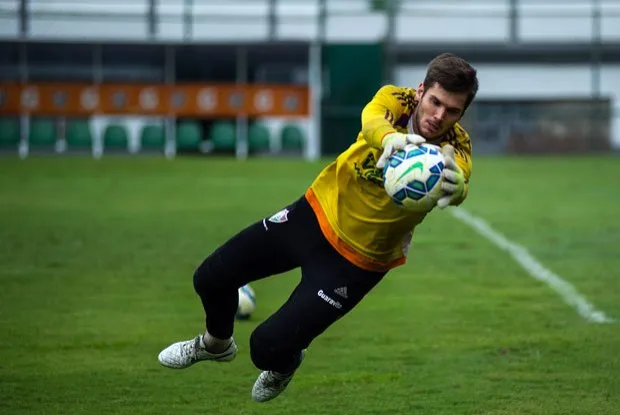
<point x="412" y="177"/>
<point x="246" y="304"/>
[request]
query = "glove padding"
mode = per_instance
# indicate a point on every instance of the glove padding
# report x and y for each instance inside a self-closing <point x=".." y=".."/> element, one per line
<point x="393" y="142"/>
<point x="453" y="182"/>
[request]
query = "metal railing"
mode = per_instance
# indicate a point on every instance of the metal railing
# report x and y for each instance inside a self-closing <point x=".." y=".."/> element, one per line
<point x="315" y="20"/>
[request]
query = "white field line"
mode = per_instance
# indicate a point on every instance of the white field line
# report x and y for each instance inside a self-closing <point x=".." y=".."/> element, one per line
<point x="521" y="255"/>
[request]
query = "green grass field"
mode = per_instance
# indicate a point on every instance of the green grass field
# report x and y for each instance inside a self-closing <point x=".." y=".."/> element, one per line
<point x="96" y="272"/>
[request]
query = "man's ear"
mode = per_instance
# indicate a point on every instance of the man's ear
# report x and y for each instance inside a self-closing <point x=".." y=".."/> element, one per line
<point x="420" y="90"/>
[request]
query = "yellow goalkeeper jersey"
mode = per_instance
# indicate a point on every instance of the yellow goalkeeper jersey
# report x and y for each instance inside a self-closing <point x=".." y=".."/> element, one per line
<point x="355" y="213"/>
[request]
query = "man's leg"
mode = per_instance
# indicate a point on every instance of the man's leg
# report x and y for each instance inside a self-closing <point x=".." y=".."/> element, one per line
<point x="263" y="249"/>
<point x="330" y="288"/>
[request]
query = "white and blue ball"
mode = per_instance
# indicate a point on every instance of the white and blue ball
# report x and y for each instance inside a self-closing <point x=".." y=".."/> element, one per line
<point x="412" y="177"/>
<point x="247" y="302"/>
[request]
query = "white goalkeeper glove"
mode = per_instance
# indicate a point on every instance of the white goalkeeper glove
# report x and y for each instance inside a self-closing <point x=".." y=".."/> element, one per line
<point x="396" y="141"/>
<point x="453" y="182"/>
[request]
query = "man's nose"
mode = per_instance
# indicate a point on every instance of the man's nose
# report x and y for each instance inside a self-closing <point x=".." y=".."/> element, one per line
<point x="440" y="114"/>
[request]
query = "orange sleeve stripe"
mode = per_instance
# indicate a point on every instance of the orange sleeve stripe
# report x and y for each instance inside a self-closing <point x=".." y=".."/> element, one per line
<point x="344" y="249"/>
<point x="383" y="136"/>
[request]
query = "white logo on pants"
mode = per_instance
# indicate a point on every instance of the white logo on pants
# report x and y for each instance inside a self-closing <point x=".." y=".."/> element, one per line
<point x="329" y="300"/>
<point x="280" y="217"/>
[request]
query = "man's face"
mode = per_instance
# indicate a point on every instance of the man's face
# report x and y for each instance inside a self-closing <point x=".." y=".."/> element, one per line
<point x="438" y="110"/>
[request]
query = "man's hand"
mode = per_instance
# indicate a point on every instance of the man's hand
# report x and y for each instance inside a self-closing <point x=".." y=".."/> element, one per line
<point x="453" y="182"/>
<point x="396" y="141"/>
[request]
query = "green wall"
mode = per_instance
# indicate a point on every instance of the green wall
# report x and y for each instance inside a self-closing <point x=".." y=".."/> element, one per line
<point x="353" y="73"/>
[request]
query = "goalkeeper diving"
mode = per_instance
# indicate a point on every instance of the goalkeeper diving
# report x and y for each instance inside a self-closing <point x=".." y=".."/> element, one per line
<point x="345" y="233"/>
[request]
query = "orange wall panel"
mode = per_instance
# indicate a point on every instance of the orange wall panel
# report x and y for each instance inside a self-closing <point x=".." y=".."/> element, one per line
<point x="181" y="100"/>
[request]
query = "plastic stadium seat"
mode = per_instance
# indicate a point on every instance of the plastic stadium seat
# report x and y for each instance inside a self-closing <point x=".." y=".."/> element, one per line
<point x="9" y="132"/>
<point x="42" y="133"/>
<point x="292" y="138"/>
<point x="78" y="134"/>
<point x="115" y="136"/>
<point x="152" y="137"/>
<point x="189" y="135"/>
<point x="223" y="136"/>
<point x="258" y="138"/>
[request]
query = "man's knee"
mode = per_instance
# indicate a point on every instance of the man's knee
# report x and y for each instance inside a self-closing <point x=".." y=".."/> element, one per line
<point x="206" y="277"/>
<point x="271" y="353"/>
<point x="261" y="349"/>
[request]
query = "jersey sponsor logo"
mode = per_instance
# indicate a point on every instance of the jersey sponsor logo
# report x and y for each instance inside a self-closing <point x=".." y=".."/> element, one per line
<point x="280" y="217"/>
<point x="329" y="300"/>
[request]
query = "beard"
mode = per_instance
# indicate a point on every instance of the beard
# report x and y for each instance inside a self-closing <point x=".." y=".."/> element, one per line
<point x="417" y="126"/>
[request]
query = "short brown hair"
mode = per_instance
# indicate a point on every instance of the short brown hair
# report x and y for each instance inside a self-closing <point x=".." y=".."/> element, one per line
<point x="454" y="74"/>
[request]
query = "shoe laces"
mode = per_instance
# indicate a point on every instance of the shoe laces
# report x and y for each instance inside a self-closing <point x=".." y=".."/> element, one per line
<point x="189" y="348"/>
<point x="276" y="380"/>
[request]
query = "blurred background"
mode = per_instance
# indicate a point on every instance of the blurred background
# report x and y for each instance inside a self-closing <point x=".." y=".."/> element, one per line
<point x="252" y="77"/>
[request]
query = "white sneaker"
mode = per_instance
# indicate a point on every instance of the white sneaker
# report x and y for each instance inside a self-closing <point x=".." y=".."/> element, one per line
<point x="184" y="354"/>
<point x="271" y="384"/>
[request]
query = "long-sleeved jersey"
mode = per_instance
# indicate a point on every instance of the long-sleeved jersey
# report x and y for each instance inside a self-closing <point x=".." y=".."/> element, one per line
<point x="354" y="211"/>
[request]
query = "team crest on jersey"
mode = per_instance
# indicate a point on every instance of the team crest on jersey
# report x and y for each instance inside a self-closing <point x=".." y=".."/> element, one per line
<point x="368" y="170"/>
<point x="280" y="217"/>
